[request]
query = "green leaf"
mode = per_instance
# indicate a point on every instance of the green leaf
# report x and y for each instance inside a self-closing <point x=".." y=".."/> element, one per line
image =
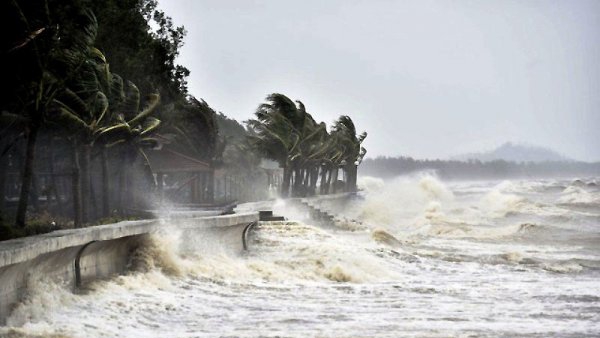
<point x="152" y="104"/>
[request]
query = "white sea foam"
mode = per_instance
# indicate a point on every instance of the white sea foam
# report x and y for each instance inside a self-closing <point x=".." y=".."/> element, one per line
<point x="476" y="259"/>
<point x="577" y="195"/>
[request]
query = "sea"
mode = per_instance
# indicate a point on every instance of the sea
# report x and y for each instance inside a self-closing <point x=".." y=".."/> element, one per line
<point x="415" y="256"/>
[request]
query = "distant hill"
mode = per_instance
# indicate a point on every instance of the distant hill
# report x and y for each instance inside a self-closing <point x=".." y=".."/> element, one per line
<point x="515" y="153"/>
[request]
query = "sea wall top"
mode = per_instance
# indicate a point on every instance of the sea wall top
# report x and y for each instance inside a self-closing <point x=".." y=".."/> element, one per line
<point x="23" y="249"/>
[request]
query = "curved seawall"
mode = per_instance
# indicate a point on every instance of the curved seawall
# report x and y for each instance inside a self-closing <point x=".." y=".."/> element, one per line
<point x="77" y="256"/>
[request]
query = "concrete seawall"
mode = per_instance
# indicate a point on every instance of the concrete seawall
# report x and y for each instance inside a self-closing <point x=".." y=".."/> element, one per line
<point x="77" y="256"/>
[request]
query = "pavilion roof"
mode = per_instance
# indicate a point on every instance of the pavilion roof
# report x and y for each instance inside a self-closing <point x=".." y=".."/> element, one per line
<point x="166" y="160"/>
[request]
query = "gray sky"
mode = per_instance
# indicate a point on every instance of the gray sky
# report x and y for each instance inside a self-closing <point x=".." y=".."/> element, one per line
<point x="423" y="78"/>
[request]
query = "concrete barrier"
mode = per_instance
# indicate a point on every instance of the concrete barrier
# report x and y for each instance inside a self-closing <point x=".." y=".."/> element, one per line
<point x="77" y="256"/>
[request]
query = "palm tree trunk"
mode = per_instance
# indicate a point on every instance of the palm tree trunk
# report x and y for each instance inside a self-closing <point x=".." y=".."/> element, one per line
<point x="121" y="193"/>
<point x="53" y="182"/>
<point x="129" y="193"/>
<point x="306" y="181"/>
<point x="34" y="195"/>
<point x="298" y="180"/>
<point x="327" y="189"/>
<point x="323" y="180"/>
<point x="93" y="203"/>
<point x="27" y="175"/>
<point x="202" y="186"/>
<point x="333" y="180"/>
<point x="85" y="183"/>
<point x="285" y="185"/>
<point x="76" y="186"/>
<point x="353" y="177"/>
<point x="105" y="184"/>
<point x="3" y="172"/>
<point x="210" y="186"/>
<point x="313" y="180"/>
<point x="194" y="188"/>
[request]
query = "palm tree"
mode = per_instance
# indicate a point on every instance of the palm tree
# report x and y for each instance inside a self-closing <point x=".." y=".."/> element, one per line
<point x="276" y="134"/>
<point x="132" y="132"/>
<point x="285" y="132"/>
<point x="353" y="152"/>
<point x="99" y="114"/>
<point x="195" y="132"/>
<point x="38" y="67"/>
<point x="82" y="111"/>
<point x="330" y="161"/>
<point x="309" y="152"/>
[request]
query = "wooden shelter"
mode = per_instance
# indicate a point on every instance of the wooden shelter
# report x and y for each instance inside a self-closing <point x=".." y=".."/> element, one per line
<point x="182" y="171"/>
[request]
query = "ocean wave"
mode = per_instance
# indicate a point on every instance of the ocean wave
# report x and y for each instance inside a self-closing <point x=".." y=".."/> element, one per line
<point x="304" y="252"/>
<point x="423" y="241"/>
<point x="423" y="205"/>
<point x="562" y="267"/>
<point x="23" y="333"/>
<point x="516" y="259"/>
<point x="463" y="230"/>
<point x="497" y="203"/>
<point x="382" y="236"/>
<point x="579" y="196"/>
<point x="401" y="198"/>
<point x="41" y="297"/>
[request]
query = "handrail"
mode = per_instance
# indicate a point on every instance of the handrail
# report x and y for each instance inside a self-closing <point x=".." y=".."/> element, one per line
<point x="78" y="264"/>
<point x="245" y="233"/>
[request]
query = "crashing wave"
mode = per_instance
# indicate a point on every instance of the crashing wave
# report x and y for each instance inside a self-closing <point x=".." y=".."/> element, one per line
<point x="381" y="236"/>
<point x="578" y="195"/>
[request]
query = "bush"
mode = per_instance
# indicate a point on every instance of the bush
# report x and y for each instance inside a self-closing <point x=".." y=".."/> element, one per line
<point x="8" y="232"/>
<point x="35" y="228"/>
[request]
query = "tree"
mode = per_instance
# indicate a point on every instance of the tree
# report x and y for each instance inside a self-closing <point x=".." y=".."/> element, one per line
<point x="275" y="133"/>
<point x="132" y="132"/>
<point x="144" y="55"/>
<point x="353" y="152"/>
<point x="194" y="131"/>
<point x="285" y="132"/>
<point x="45" y="54"/>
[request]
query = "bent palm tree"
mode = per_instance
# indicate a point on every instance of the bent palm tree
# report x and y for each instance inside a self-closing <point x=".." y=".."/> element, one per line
<point x="195" y="132"/>
<point x="132" y="132"/>
<point x="41" y="67"/>
<point x="353" y="152"/>
<point x="276" y="134"/>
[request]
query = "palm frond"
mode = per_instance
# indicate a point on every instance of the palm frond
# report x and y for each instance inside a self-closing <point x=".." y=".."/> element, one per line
<point x="153" y="101"/>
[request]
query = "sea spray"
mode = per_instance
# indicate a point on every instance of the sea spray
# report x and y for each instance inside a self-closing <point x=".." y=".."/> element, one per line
<point x="295" y="252"/>
<point x="499" y="204"/>
<point x="454" y="259"/>
<point x="402" y="198"/>
<point x="420" y="206"/>
<point x="41" y="298"/>
<point x="578" y="195"/>
<point x="380" y="235"/>
<point x="24" y="333"/>
<point x="158" y="251"/>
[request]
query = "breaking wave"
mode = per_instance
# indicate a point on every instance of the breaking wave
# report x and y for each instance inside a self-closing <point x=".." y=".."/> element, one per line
<point x="387" y="204"/>
<point x="579" y="196"/>
<point x="419" y="249"/>
<point x="425" y="206"/>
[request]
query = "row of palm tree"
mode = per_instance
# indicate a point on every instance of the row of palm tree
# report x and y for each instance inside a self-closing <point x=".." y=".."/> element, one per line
<point x="72" y="96"/>
<point x="283" y="131"/>
<point x="67" y="107"/>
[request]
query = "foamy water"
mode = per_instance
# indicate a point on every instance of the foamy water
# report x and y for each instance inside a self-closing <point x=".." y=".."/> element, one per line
<point x="434" y="259"/>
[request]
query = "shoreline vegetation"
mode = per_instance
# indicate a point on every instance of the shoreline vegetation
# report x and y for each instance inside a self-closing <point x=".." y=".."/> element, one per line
<point x="473" y="169"/>
<point x="96" y="124"/>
